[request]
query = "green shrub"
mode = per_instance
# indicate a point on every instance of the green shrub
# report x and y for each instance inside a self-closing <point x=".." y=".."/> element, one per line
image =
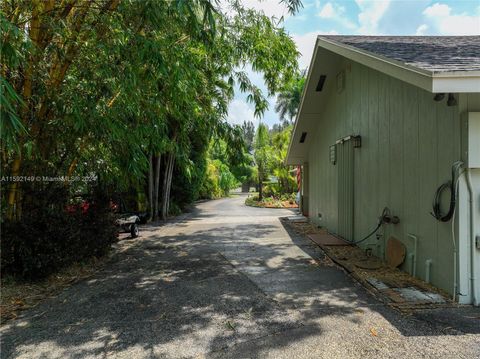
<point x="174" y="209"/>
<point x="218" y="180"/>
<point x="252" y="201"/>
<point x="290" y="197"/>
<point x="210" y="187"/>
<point x="48" y="237"/>
<point x="270" y="190"/>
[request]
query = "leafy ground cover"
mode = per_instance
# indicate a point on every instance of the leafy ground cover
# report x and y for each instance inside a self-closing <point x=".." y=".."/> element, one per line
<point x="21" y="295"/>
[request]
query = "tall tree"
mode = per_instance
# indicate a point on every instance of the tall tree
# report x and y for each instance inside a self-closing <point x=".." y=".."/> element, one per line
<point x="262" y="156"/>
<point x="279" y="149"/>
<point x="288" y="99"/>
<point x="248" y="134"/>
<point x="127" y="89"/>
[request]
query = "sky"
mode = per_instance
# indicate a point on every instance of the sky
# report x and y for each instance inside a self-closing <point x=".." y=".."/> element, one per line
<point x="357" y="17"/>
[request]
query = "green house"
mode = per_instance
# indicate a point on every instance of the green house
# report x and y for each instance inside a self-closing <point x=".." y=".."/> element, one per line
<point x="394" y="122"/>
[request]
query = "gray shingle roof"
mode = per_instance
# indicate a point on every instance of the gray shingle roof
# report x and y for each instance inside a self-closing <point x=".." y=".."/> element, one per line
<point x="431" y="53"/>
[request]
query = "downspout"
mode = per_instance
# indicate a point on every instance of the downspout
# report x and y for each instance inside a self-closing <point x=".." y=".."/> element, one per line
<point x="455" y="251"/>
<point x="472" y="235"/>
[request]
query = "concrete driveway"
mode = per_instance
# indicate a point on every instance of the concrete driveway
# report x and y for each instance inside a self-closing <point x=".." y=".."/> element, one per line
<point x="227" y="281"/>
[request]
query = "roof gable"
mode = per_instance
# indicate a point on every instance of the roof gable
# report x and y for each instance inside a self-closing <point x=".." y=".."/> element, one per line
<point x="442" y="69"/>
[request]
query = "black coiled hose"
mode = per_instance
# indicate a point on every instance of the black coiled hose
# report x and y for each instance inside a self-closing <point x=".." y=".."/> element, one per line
<point x="437" y="211"/>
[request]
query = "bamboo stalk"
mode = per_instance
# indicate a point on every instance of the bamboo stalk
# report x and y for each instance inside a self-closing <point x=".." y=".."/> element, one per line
<point x="150" y="186"/>
<point x="12" y="194"/>
<point x="169" y="183"/>
<point x="157" y="185"/>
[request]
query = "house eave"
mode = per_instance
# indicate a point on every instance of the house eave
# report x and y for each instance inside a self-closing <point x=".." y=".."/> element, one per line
<point x="289" y="160"/>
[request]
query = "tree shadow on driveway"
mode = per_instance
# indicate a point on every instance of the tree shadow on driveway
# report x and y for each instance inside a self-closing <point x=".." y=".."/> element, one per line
<point x="221" y="290"/>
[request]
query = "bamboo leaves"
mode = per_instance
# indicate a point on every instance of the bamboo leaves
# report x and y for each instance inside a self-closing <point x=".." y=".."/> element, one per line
<point x="132" y="89"/>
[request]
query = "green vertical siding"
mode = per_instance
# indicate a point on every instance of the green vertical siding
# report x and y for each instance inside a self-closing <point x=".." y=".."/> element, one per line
<point x="409" y="143"/>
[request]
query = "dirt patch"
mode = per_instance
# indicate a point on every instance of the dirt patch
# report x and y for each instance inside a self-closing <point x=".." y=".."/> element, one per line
<point x="18" y="296"/>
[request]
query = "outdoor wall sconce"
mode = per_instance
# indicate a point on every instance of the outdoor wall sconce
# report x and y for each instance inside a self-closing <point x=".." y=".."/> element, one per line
<point x="451" y="100"/>
<point x="357" y="141"/>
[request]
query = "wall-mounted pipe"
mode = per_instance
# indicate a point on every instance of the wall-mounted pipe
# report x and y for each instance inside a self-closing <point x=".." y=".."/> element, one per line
<point x="428" y="267"/>
<point x="414" y="265"/>
<point x="411" y="258"/>
<point x="472" y="236"/>
<point x="455" y="167"/>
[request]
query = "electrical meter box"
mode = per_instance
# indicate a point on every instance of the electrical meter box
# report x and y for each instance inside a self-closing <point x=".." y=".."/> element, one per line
<point x="473" y="147"/>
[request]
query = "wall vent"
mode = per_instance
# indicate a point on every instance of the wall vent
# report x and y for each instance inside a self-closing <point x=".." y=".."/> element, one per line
<point x="321" y="82"/>
<point x="302" y="137"/>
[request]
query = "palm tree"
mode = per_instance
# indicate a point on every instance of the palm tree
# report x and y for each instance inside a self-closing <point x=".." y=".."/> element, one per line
<point x="288" y="100"/>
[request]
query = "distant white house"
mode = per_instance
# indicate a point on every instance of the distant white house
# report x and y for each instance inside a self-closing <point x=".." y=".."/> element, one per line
<point x="384" y="122"/>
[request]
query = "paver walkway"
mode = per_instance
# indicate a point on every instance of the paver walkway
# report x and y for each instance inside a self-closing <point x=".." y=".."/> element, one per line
<point x="228" y="281"/>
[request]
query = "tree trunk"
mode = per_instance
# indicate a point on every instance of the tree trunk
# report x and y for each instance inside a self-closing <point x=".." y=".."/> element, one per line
<point x="172" y="163"/>
<point x="167" y="184"/>
<point x="12" y="193"/>
<point x="260" y="189"/>
<point x="260" y="184"/>
<point x="157" y="186"/>
<point x="164" y="190"/>
<point x="150" y="186"/>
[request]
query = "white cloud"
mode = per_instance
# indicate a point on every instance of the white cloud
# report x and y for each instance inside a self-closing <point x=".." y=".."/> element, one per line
<point x="336" y="13"/>
<point x="327" y="11"/>
<point x="240" y="111"/>
<point x="370" y="14"/>
<point x="421" y="30"/>
<point x="305" y="45"/>
<point x="437" y="10"/>
<point x="271" y="8"/>
<point x="446" y="23"/>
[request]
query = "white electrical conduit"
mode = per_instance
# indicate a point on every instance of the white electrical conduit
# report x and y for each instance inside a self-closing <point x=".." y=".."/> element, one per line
<point x="472" y="236"/>
<point x="458" y="165"/>
<point x="414" y="261"/>
<point x="454" y="246"/>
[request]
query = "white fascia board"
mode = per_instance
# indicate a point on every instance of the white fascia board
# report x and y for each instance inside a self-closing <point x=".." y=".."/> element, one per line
<point x="456" y="84"/>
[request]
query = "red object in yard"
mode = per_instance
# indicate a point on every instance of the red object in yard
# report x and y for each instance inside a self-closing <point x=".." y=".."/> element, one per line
<point x="113" y="206"/>
<point x="84" y="206"/>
